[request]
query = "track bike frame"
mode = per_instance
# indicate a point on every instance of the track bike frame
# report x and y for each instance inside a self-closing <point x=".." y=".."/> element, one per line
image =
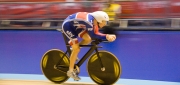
<point x="93" y="47"/>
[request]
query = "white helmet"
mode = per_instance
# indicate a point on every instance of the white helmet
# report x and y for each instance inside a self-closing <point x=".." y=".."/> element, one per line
<point x="100" y="16"/>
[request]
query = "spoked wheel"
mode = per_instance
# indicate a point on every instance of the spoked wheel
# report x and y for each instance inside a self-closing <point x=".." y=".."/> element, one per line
<point x="104" y="76"/>
<point x="49" y="65"/>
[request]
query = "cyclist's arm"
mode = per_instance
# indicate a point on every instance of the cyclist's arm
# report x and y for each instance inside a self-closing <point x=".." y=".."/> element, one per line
<point x="96" y="34"/>
<point x="92" y="31"/>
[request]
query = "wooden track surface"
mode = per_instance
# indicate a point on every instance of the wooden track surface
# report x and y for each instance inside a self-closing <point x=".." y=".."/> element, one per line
<point x="36" y="82"/>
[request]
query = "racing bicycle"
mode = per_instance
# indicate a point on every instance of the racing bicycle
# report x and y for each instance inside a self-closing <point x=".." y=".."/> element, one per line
<point x="103" y="66"/>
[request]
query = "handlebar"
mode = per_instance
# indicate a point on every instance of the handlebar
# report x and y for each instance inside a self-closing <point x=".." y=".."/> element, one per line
<point x="97" y="41"/>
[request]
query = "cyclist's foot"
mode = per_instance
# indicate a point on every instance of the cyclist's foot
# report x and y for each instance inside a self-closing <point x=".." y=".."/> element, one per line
<point x="73" y="75"/>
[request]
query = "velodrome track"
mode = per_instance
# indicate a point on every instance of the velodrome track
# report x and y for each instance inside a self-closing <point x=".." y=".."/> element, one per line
<point x="34" y="79"/>
<point x="35" y="82"/>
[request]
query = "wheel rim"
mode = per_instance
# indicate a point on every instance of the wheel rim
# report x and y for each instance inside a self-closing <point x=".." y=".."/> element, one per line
<point x="112" y="68"/>
<point x="47" y="66"/>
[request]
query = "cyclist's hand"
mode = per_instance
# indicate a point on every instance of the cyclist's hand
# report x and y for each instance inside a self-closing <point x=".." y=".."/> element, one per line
<point x="110" y="37"/>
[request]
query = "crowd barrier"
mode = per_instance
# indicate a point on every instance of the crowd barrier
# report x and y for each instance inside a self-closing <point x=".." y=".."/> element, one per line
<point x="45" y="13"/>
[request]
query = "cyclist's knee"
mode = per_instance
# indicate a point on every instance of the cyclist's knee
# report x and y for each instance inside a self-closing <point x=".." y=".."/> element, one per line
<point x="87" y="41"/>
<point x="86" y="38"/>
<point x="75" y="48"/>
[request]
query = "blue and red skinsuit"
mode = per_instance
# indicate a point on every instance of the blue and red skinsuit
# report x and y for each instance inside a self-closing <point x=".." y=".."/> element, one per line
<point x="78" y="24"/>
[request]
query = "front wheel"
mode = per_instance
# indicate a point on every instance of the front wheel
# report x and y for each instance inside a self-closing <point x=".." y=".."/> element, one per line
<point x="107" y="75"/>
<point x="49" y="61"/>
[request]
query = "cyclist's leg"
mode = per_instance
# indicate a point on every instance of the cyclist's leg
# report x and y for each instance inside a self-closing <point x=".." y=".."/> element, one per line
<point x="86" y="39"/>
<point x="73" y="41"/>
<point x="73" y="57"/>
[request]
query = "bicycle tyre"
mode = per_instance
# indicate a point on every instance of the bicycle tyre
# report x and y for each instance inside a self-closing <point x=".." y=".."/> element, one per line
<point x="112" y="68"/>
<point x="49" y="60"/>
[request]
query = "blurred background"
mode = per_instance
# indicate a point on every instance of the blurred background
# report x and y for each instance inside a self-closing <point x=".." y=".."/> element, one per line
<point x="137" y="14"/>
<point x="147" y="46"/>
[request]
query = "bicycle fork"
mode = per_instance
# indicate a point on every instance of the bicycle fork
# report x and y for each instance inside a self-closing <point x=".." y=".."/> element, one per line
<point x="100" y="61"/>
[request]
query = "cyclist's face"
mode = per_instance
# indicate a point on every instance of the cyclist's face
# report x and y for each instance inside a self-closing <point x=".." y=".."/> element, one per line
<point x="104" y="23"/>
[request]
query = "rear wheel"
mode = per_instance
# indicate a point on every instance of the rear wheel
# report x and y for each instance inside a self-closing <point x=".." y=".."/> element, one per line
<point x="48" y="65"/>
<point x="104" y="76"/>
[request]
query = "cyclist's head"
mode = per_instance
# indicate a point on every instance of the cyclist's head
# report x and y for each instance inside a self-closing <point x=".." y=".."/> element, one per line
<point x="101" y="17"/>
